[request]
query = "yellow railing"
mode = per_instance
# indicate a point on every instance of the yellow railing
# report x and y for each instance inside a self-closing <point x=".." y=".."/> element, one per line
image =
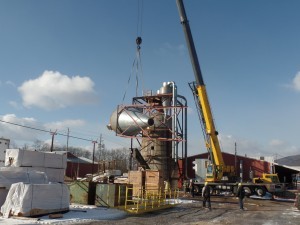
<point x="150" y="199"/>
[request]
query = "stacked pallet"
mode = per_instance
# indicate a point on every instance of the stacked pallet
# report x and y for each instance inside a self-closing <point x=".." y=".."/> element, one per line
<point x="36" y="183"/>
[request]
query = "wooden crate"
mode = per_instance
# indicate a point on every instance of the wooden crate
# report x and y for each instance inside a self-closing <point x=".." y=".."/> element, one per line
<point x="137" y="179"/>
<point x="154" y="181"/>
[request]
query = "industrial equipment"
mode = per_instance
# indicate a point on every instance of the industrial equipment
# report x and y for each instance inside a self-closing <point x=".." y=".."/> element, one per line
<point x="158" y="119"/>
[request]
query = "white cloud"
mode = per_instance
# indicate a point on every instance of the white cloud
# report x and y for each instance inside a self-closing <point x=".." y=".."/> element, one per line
<point x="27" y="130"/>
<point x="14" y="128"/>
<point x="275" y="147"/>
<point x="55" y="143"/>
<point x="276" y="143"/>
<point x="63" y="125"/>
<point x="53" y="90"/>
<point x="282" y="148"/>
<point x="296" y="82"/>
<point x="10" y="83"/>
<point x="243" y="146"/>
<point x="168" y="48"/>
<point x="15" y="104"/>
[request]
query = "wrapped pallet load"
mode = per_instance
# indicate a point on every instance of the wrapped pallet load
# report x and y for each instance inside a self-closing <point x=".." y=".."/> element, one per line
<point x="25" y="158"/>
<point x="36" y="199"/>
<point x="53" y="174"/>
<point x="7" y="178"/>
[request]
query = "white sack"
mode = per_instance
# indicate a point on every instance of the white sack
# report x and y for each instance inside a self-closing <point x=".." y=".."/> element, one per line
<point x="23" y="198"/>
<point x="18" y="158"/>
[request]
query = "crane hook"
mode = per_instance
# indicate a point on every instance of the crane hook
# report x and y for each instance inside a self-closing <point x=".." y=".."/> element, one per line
<point x="138" y="42"/>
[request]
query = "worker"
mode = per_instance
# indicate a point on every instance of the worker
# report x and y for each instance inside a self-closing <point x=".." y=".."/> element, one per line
<point x="192" y="188"/>
<point x="206" y="196"/>
<point x="241" y="195"/>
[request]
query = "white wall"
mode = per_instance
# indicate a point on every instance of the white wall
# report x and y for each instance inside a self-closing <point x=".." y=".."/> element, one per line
<point x="4" y="144"/>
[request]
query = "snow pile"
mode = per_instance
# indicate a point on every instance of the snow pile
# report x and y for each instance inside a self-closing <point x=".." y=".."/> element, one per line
<point x="267" y="196"/>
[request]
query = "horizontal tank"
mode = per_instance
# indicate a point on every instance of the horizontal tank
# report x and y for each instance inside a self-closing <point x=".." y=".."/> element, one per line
<point x="129" y="121"/>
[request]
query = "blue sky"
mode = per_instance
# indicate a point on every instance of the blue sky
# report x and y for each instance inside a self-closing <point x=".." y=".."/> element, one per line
<point x="65" y="64"/>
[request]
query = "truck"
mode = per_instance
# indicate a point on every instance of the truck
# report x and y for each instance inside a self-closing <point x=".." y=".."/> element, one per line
<point x="219" y="176"/>
<point x="271" y="182"/>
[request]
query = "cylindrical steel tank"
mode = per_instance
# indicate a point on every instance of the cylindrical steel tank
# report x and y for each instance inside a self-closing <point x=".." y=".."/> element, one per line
<point x="129" y="121"/>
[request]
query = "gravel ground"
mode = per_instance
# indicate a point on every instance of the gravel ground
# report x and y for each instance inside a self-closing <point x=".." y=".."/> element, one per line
<point x="225" y="210"/>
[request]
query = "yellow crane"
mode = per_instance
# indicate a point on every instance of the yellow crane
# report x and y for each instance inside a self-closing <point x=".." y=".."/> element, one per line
<point x="217" y="169"/>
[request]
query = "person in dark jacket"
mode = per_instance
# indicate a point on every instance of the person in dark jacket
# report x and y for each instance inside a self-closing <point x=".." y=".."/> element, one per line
<point x="241" y="195"/>
<point x="206" y="196"/>
<point x="192" y="188"/>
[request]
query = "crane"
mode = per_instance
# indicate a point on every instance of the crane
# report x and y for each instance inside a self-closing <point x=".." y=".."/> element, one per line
<point x="217" y="169"/>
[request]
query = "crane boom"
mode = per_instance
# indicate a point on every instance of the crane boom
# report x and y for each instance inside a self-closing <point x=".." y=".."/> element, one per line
<point x="215" y="171"/>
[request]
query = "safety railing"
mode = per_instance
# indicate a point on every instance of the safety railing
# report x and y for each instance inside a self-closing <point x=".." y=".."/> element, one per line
<point x="150" y="199"/>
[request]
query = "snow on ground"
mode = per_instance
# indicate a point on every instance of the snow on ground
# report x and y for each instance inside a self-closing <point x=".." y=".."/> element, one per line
<point x="85" y="213"/>
<point x="78" y="213"/>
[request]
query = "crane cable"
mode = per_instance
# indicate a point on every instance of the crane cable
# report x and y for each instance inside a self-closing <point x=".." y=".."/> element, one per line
<point x="137" y="62"/>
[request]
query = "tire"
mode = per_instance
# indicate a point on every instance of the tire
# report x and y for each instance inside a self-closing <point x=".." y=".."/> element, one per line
<point x="248" y="191"/>
<point x="196" y="190"/>
<point x="260" y="191"/>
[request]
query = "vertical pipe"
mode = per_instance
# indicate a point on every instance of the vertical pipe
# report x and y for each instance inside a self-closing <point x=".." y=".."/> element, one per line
<point x="94" y="143"/>
<point x="174" y="128"/>
<point x="235" y="159"/>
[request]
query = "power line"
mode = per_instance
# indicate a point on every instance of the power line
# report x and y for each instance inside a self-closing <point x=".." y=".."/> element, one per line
<point x="46" y="131"/>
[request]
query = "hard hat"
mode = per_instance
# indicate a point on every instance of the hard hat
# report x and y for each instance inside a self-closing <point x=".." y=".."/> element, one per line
<point x="205" y="183"/>
<point x="240" y="184"/>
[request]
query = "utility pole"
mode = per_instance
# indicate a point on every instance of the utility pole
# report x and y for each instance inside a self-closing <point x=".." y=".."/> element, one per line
<point x="235" y="161"/>
<point x="68" y="136"/>
<point x="100" y="147"/>
<point x="52" y="133"/>
<point x="94" y="144"/>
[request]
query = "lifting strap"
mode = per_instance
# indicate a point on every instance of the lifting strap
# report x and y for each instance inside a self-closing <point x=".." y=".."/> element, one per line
<point x="137" y="62"/>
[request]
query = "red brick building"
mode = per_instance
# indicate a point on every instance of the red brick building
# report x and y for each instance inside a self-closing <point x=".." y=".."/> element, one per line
<point x="79" y="167"/>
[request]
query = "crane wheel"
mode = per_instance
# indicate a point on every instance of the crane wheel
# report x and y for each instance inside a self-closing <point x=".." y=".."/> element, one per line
<point x="260" y="192"/>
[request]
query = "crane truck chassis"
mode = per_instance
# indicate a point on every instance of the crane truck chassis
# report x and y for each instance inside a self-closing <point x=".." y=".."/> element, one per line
<point x="225" y="187"/>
